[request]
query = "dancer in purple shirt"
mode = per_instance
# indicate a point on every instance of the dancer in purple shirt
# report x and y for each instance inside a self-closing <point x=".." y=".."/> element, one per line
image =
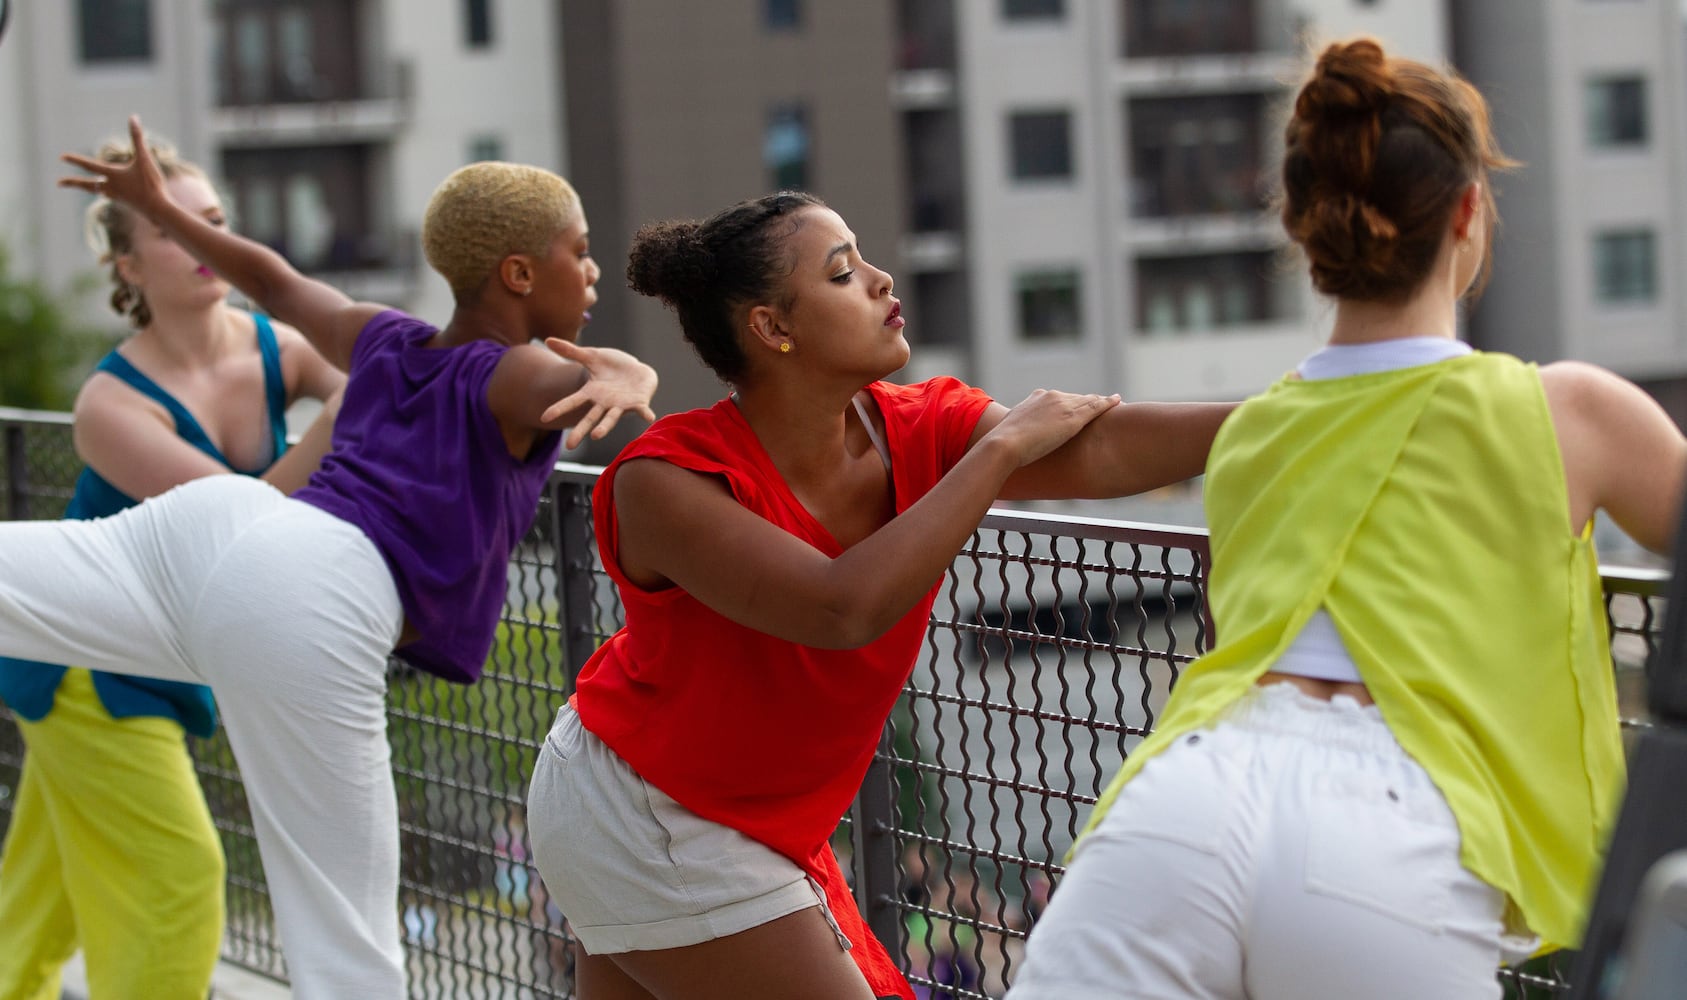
<point x="289" y="607"/>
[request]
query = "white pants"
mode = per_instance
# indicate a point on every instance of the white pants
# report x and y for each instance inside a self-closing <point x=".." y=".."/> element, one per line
<point x="1292" y="851"/>
<point x="288" y="614"/>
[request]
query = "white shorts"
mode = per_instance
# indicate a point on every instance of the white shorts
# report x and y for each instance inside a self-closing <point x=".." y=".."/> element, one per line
<point x="633" y="870"/>
<point x="1294" y="850"/>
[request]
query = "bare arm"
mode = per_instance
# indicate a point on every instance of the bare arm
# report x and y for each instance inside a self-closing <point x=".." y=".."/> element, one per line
<point x="307" y="373"/>
<point x="134" y="445"/>
<point x="1622" y="453"/>
<point x="585" y="389"/>
<point x="292" y="470"/>
<point x="684" y="528"/>
<point x="1129" y="449"/>
<point x="327" y="316"/>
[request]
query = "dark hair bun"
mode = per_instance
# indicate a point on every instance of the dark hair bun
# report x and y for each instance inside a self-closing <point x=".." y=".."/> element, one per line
<point x="670" y="261"/>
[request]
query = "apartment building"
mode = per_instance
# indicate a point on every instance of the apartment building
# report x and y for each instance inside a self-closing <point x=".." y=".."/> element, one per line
<point x="1116" y="162"/>
<point x="1070" y="192"/>
<point x="326" y="122"/>
<point x="1589" y="94"/>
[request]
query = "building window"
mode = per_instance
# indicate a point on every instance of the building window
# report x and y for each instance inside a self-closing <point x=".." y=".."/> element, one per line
<point x="782" y="15"/>
<point x="1033" y="10"/>
<point x="115" y="30"/>
<point x="1041" y="145"/>
<point x="1616" y="112"/>
<point x="485" y="147"/>
<point x="1049" y="308"/>
<point x="785" y="148"/>
<point x="310" y="204"/>
<point x="1197" y="155"/>
<point x="1625" y="267"/>
<point x="940" y="308"/>
<point x="1203" y="292"/>
<point x="477" y="23"/>
<point x="269" y="52"/>
<point x="1159" y="28"/>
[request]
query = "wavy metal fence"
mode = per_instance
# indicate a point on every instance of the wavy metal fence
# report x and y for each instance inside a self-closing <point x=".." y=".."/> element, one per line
<point x="1051" y="649"/>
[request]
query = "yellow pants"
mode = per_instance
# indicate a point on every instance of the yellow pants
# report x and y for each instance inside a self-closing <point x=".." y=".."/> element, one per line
<point x="111" y="848"/>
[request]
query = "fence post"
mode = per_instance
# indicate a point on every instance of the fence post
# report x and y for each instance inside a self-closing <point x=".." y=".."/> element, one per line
<point x="17" y="474"/>
<point x="571" y="509"/>
<point x="874" y="834"/>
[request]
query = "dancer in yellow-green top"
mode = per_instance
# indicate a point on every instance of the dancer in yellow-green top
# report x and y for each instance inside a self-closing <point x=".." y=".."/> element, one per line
<point x="1400" y="765"/>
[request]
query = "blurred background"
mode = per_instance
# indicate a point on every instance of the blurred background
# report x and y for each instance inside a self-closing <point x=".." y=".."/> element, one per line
<point x="1070" y="193"/>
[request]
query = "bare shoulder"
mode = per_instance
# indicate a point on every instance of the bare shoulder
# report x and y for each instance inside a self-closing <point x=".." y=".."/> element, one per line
<point x="650" y="478"/>
<point x="528" y="357"/>
<point x="287" y="336"/>
<point x="1580" y="391"/>
<point x="1578" y="383"/>
<point x="520" y="367"/>
<point x="655" y="487"/>
<point x="105" y="398"/>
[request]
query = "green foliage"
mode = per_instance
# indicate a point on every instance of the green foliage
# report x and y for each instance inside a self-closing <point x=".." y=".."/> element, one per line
<point x="483" y="735"/>
<point x="44" y="352"/>
<point x="464" y="753"/>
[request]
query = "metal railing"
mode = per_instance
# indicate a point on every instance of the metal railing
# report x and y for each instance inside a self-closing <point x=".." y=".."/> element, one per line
<point x="1050" y="652"/>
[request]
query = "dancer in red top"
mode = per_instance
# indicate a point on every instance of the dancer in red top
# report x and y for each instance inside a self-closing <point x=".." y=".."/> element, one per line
<point x="777" y="555"/>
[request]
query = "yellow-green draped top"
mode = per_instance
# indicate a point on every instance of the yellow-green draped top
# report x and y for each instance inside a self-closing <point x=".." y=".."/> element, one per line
<point x="1425" y="509"/>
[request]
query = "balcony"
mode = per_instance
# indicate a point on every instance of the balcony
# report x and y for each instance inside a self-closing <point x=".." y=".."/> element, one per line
<point x="1160" y="28"/>
<point x="1051" y="650"/>
<point x="926" y="34"/>
<point x="376" y="113"/>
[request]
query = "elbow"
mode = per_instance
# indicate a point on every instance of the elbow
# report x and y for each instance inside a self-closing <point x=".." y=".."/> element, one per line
<point x="847" y="625"/>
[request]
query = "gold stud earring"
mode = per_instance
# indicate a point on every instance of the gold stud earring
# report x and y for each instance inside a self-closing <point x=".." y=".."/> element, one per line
<point x="785" y="348"/>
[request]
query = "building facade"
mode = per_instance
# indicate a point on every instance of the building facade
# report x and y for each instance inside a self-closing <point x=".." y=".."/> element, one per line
<point x="326" y="123"/>
<point x="1589" y="94"/>
<point x="1071" y="193"/>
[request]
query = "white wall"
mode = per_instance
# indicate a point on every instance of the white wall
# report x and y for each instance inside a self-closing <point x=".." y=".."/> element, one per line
<point x="509" y="89"/>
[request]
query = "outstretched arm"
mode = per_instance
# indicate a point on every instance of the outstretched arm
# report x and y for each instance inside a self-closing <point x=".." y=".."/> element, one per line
<point x="1129" y="449"/>
<point x="326" y="315"/>
<point x="585" y="389"/>
<point x="684" y="528"/>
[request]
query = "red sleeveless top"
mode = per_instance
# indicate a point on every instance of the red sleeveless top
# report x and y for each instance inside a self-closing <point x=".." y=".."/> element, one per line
<point x="760" y="734"/>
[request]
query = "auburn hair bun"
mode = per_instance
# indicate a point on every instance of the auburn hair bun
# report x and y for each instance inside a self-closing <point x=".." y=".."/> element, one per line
<point x="1376" y="155"/>
<point x="1350" y="78"/>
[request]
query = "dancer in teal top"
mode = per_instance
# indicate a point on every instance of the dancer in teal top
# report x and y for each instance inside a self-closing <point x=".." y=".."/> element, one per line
<point x="28" y="690"/>
<point x="111" y="847"/>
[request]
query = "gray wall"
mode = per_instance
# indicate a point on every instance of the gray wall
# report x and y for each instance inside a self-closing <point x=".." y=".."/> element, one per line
<point x="1514" y="315"/>
<point x="666" y="109"/>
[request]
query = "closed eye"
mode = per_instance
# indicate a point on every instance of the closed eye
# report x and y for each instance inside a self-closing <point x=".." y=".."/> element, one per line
<point x="842" y="278"/>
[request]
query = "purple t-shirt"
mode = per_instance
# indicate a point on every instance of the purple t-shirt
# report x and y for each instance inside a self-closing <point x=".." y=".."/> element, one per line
<point x="419" y="464"/>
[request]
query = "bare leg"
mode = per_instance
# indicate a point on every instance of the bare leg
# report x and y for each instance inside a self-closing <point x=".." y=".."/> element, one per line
<point x="597" y="977"/>
<point x="795" y="957"/>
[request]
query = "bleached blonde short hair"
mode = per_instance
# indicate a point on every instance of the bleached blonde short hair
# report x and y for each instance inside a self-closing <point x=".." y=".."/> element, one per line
<point x="486" y="211"/>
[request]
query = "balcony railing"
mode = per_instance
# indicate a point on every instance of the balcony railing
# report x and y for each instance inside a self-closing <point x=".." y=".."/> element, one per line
<point x="1051" y="650"/>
